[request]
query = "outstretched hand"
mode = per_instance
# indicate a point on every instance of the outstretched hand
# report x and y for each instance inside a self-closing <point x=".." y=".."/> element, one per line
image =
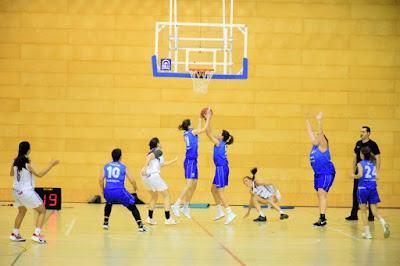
<point x="54" y="162"/>
<point x="319" y="116"/>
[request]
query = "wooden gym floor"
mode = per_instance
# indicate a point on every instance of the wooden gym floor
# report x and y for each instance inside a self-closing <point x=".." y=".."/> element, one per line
<point x="75" y="237"/>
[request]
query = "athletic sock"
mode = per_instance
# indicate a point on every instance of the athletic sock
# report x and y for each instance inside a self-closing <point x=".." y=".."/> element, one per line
<point x="383" y="222"/>
<point x="261" y="213"/>
<point x="281" y="212"/>
<point x="106" y="220"/>
<point x="219" y="208"/>
<point x="228" y="210"/>
<point x="151" y="214"/>
<point x="322" y="217"/>
<point x="366" y="229"/>
<point x="178" y="202"/>
<point x="37" y="231"/>
<point x="16" y="231"/>
<point x="167" y="215"/>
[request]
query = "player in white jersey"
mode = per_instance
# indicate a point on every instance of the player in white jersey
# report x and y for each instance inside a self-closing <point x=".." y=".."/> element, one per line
<point x="152" y="180"/>
<point x="262" y="192"/>
<point x="24" y="192"/>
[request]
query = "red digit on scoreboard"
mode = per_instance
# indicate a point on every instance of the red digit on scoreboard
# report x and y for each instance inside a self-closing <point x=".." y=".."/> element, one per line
<point x="53" y="199"/>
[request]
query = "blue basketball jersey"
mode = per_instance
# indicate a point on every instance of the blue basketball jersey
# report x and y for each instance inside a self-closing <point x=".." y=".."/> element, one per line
<point x="192" y="144"/>
<point x="220" y="158"/>
<point x="321" y="162"/>
<point x="368" y="180"/>
<point x="114" y="174"/>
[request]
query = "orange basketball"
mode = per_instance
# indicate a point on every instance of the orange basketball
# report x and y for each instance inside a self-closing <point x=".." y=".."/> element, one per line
<point x="204" y="112"/>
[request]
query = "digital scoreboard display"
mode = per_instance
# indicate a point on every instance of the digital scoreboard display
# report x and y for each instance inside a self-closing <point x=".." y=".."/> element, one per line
<point x="51" y="197"/>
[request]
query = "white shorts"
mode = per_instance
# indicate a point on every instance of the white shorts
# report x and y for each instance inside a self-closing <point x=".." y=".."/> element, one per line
<point x="154" y="183"/>
<point x="28" y="198"/>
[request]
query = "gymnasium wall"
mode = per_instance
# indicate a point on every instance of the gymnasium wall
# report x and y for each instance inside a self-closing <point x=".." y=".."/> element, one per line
<point x="75" y="80"/>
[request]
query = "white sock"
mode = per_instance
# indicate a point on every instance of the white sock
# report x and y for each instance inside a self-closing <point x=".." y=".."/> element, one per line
<point x="38" y="231"/>
<point x="366" y="230"/>
<point x="16" y="231"/>
<point x="219" y="208"/>
<point x="281" y="212"/>
<point x="261" y="213"/>
<point x="228" y="210"/>
<point x="178" y="202"/>
<point x="383" y="222"/>
<point x="186" y="206"/>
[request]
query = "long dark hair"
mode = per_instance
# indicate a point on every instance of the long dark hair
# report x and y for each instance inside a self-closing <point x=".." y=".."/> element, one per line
<point x="366" y="151"/>
<point x="228" y="138"/>
<point x="153" y="143"/>
<point x="22" y="158"/>
<point x="253" y="173"/>
<point x="185" y="125"/>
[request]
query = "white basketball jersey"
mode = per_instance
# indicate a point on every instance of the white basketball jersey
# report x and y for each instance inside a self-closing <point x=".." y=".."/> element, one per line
<point x="264" y="192"/>
<point x="154" y="166"/>
<point x="23" y="180"/>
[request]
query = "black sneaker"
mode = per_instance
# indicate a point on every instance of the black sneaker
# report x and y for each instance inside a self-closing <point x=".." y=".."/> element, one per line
<point x="283" y="216"/>
<point x="371" y="218"/>
<point x="320" y="223"/>
<point x="352" y="218"/>
<point x="260" y="219"/>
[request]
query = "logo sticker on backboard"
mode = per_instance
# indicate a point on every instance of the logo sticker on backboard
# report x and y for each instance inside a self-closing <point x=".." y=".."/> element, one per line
<point x="165" y="64"/>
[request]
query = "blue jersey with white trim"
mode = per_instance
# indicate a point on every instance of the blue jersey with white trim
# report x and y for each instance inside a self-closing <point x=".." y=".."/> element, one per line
<point x="220" y="154"/>
<point x="192" y="144"/>
<point x="321" y="161"/>
<point x="114" y="173"/>
<point x="368" y="180"/>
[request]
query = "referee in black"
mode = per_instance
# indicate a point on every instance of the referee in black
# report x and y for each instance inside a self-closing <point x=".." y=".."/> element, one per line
<point x="364" y="141"/>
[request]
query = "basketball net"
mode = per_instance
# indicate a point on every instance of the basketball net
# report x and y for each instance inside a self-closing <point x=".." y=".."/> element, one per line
<point x="201" y="78"/>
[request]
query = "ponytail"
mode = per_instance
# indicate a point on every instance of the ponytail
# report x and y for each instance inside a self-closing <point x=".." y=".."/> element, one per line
<point x="185" y="125"/>
<point x="227" y="137"/>
<point x="22" y="158"/>
<point x="253" y="172"/>
<point x="368" y="155"/>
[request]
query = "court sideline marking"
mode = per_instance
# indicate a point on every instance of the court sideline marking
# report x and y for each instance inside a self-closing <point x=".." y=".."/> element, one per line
<point x="222" y="245"/>
<point x="70" y="226"/>
<point x="30" y="244"/>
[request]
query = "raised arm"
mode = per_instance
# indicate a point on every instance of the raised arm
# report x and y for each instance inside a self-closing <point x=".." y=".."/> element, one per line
<point x="131" y="180"/>
<point x="201" y="129"/>
<point x="43" y="171"/>
<point x="322" y="140"/>
<point x="210" y="135"/>
<point x="310" y="132"/>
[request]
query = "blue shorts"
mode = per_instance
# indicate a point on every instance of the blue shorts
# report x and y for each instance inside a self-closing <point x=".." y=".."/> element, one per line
<point x="190" y="167"/>
<point x="119" y="196"/>
<point x="368" y="195"/>
<point x="221" y="176"/>
<point x="323" y="181"/>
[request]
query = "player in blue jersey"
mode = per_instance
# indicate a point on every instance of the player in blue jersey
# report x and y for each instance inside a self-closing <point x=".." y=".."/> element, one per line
<point x="367" y="192"/>
<point x="221" y="170"/>
<point x="114" y="191"/>
<point x="190" y="164"/>
<point x="324" y="170"/>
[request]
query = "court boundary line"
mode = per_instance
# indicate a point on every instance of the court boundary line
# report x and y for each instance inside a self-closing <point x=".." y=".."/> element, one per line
<point x="236" y="258"/>
<point x="30" y="244"/>
<point x="70" y="226"/>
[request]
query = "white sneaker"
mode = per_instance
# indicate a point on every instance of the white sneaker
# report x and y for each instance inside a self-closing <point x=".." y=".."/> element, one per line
<point x="17" y="238"/>
<point x="170" y="221"/>
<point x="219" y="215"/>
<point x="386" y="232"/>
<point x="39" y="239"/>
<point x="142" y="229"/>
<point x="175" y="209"/>
<point x="150" y="221"/>
<point x="186" y="212"/>
<point x="230" y="218"/>
<point x="367" y="235"/>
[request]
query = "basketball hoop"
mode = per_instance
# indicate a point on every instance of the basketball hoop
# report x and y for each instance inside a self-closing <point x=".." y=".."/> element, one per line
<point x="201" y="77"/>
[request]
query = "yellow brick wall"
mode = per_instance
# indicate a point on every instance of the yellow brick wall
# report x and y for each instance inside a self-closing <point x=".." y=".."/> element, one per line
<point x="75" y="80"/>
